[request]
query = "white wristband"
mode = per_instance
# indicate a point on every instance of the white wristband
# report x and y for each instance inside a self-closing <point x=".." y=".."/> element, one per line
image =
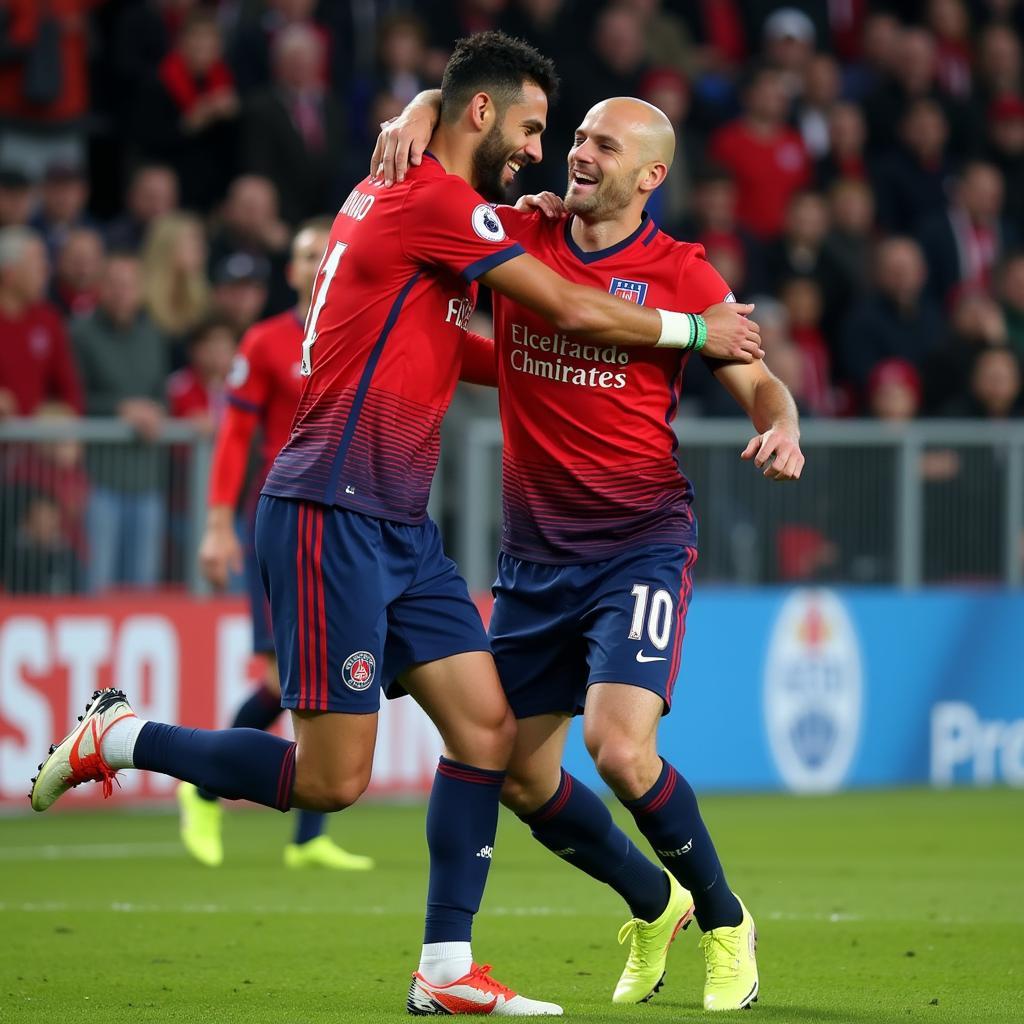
<point x="676" y="330"/>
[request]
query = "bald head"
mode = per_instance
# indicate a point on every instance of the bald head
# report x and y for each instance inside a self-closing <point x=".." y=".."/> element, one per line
<point x="621" y="153"/>
<point x="640" y="122"/>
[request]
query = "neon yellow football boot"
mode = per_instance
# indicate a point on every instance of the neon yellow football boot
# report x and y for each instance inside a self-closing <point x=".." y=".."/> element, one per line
<point x="648" y="948"/>
<point x="200" y="822"/>
<point x="730" y="982"/>
<point x="324" y="852"/>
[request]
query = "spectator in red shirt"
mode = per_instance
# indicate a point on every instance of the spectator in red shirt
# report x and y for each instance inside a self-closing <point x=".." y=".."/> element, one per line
<point x="196" y="392"/>
<point x="767" y="158"/>
<point x="35" y="361"/>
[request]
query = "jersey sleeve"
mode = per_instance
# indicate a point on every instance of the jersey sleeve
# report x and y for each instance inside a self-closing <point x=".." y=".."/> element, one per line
<point x="479" y="364"/>
<point x="447" y="224"/>
<point x="249" y="380"/>
<point x="700" y="285"/>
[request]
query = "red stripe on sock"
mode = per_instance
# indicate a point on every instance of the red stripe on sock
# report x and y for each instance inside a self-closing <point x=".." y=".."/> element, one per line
<point x="286" y="780"/>
<point x="558" y="801"/>
<point x="300" y="577"/>
<point x="467" y="774"/>
<point x="666" y="791"/>
<point x="324" y="671"/>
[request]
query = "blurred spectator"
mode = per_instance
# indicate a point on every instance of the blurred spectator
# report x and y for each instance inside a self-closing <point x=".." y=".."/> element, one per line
<point x="143" y="36"/>
<point x="802" y="300"/>
<point x="63" y="197"/>
<point x="401" y="55"/>
<point x="852" y="235"/>
<point x="35" y="361"/>
<point x="75" y="286"/>
<point x="123" y="361"/>
<point x="546" y="24"/>
<point x="814" y="106"/>
<point x="294" y="131"/>
<point x="801" y="252"/>
<point x="196" y="392"/>
<point x="152" y="193"/>
<point x="1011" y="294"/>
<point x="44" y="84"/>
<point x="995" y="387"/>
<point x="17" y="198"/>
<point x="897" y="319"/>
<point x="670" y="93"/>
<point x="912" y="178"/>
<point x="977" y="322"/>
<point x="253" y="42"/>
<point x="1006" y="151"/>
<point x="998" y="68"/>
<point x="847" y="137"/>
<point x="789" y="45"/>
<point x="950" y="23"/>
<point x="965" y="241"/>
<point x="240" y="289"/>
<point x="186" y="116"/>
<point x="667" y="39"/>
<point x="450" y="19"/>
<point x="249" y="222"/>
<point x="879" y="52"/>
<point x="894" y="391"/>
<point x="36" y="556"/>
<point x="175" y="286"/>
<point x="767" y="158"/>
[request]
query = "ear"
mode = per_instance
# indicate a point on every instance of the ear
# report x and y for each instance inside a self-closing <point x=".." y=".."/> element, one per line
<point x="652" y="176"/>
<point x="481" y="111"/>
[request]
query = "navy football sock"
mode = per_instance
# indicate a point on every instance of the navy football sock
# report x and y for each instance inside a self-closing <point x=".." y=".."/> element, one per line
<point x="462" y="819"/>
<point x="260" y="710"/>
<point x="309" y="826"/>
<point x="576" y="826"/>
<point x="668" y="816"/>
<point x="239" y="764"/>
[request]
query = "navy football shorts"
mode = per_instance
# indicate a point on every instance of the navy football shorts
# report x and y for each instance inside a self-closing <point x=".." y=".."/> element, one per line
<point x="355" y="601"/>
<point x="557" y="629"/>
<point x="259" y="608"/>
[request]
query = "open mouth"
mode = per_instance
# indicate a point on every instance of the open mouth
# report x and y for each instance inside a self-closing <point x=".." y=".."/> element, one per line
<point x="581" y="181"/>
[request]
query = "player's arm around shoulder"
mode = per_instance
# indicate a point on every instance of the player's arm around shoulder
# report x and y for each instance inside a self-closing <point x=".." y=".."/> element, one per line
<point x="775" y="449"/>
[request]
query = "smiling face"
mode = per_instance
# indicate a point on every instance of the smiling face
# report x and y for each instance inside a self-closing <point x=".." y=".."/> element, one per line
<point x="620" y="154"/>
<point x="511" y="143"/>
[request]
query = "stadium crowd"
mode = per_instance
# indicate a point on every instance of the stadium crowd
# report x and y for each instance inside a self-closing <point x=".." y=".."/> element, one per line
<point x="855" y="168"/>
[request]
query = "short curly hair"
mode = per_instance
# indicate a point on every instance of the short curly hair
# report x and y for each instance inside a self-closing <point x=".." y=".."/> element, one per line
<point x="497" y="64"/>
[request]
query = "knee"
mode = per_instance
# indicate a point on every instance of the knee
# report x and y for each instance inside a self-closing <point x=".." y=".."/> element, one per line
<point x="329" y="795"/>
<point x="623" y="766"/>
<point x="522" y="794"/>
<point x="488" y="742"/>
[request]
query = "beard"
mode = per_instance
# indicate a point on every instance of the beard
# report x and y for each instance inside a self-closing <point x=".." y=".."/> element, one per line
<point x="489" y="165"/>
<point x="610" y="196"/>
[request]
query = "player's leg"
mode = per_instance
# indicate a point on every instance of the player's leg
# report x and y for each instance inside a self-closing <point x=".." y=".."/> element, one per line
<point x="438" y="648"/>
<point x="571" y="820"/>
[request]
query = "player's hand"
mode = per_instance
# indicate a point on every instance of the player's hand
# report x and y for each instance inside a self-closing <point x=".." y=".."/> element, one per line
<point x="731" y="336"/>
<point x="401" y="144"/>
<point x="776" y="453"/>
<point x="220" y="554"/>
<point x="547" y="202"/>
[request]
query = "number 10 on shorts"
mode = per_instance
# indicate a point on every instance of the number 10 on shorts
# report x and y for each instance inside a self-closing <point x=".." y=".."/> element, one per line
<point x="658" y="617"/>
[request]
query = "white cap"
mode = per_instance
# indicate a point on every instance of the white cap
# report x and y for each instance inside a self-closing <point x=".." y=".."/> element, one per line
<point x="789" y="23"/>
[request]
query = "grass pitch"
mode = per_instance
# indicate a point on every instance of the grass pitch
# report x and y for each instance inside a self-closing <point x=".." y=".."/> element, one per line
<point x="871" y="907"/>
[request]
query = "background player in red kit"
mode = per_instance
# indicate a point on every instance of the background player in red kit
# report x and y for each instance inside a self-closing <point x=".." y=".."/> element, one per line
<point x="599" y="541"/>
<point x="263" y="391"/>
<point x="362" y="597"/>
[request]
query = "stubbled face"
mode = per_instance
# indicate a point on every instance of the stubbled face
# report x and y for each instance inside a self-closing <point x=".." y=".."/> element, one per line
<point x="604" y="166"/>
<point x="511" y="144"/>
<point x="307" y="252"/>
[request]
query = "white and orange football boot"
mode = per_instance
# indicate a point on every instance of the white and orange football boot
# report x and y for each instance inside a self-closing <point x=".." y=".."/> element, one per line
<point x="77" y="759"/>
<point x="476" y="992"/>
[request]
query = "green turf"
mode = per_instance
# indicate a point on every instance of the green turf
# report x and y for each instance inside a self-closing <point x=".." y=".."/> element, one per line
<point x="870" y="907"/>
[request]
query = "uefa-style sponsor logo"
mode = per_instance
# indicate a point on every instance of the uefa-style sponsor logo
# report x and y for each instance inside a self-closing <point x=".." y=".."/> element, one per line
<point x="357" y="672"/>
<point x="812" y="692"/>
<point x="487" y="225"/>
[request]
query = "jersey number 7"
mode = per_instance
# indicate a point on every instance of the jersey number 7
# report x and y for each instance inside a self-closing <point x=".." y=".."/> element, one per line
<point x="329" y="268"/>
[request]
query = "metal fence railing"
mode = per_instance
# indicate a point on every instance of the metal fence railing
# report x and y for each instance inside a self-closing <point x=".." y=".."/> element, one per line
<point x="84" y="505"/>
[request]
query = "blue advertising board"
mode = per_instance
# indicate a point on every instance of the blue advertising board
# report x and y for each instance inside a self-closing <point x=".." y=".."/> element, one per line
<point x="814" y="690"/>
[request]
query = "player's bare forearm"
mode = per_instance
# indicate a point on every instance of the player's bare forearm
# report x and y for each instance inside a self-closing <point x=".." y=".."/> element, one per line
<point x="775" y="449"/>
<point x="403" y="139"/>
<point x="599" y="317"/>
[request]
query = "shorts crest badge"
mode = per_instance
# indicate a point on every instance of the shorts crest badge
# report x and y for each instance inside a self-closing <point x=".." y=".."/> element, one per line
<point x="358" y="670"/>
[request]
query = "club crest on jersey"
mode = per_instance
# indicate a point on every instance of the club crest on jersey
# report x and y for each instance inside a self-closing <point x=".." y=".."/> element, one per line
<point x="357" y="672"/>
<point x="487" y="225"/>
<point x="631" y="291"/>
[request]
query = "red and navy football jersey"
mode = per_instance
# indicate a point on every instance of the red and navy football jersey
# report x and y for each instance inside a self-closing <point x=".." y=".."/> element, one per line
<point x="384" y="340"/>
<point x="265" y="379"/>
<point x="589" y="460"/>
